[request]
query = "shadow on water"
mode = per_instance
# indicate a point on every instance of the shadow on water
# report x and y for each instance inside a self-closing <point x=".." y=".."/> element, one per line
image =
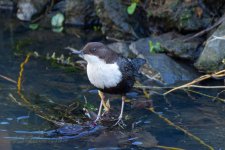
<point x="54" y="89"/>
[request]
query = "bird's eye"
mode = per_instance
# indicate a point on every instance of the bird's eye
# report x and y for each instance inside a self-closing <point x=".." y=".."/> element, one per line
<point x="93" y="49"/>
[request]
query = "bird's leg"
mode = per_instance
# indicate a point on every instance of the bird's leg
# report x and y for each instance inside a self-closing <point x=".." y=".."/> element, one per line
<point x="103" y="103"/>
<point x="99" y="112"/>
<point x="120" y="121"/>
<point x="102" y="96"/>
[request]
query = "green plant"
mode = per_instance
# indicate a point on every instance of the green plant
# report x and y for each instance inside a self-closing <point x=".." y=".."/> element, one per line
<point x="132" y="7"/>
<point x="57" y="22"/>
<point x="154" y="48"/>
<point x="33" y="26"/>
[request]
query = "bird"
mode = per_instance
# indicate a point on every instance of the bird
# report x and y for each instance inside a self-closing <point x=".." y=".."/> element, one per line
<point x="109" y="72"/>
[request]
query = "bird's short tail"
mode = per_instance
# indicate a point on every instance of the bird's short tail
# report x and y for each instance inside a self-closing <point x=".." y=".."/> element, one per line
<point x="137" y="63"/>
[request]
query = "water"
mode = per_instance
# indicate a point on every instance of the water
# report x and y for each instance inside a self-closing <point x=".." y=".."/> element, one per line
<point x="53" y="89"/>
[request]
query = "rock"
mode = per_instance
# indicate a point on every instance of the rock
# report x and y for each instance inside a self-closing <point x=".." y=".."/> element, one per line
<point x="213" y="54"/>
<point x="170" y="71"/>
<point x="121" y="48"/>
<point x="182" y="15"/>
<point x="212" y="6"/>
<point x="78" y="12"/>
<point x="173" y="44"/>
<point x="114" y="19"/>
<point x="161" y="67"/>
<point x="28" y="8"/>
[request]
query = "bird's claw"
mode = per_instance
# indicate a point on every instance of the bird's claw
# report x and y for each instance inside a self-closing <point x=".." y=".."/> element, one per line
<point x="120" y="123"/>
<point x="97" y="119"/>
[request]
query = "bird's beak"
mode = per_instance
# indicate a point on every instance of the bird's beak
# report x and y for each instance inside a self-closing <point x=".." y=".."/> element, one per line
<point x="80" y="53"/>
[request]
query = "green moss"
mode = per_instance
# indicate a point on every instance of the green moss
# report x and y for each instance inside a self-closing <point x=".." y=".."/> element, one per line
<point x="185" y="17"/>
<point x="90" y="107"/>
<point x="97" y="28"/>
<point x="149" y="13"/>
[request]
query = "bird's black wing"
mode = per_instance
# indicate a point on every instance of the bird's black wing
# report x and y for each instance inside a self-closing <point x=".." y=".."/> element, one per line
<point x="137" y="63"/>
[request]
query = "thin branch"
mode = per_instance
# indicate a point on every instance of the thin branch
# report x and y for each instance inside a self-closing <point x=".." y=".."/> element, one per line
<point x="169" y="87"/>
<point x="216" y="75"/>
<point x="8" y="79"/>
<point x="221" y="20"/>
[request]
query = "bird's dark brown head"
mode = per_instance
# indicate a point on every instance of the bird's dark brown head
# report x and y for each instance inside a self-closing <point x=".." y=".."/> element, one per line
<point x="95" y="48"/>
<point x="95" y="51"/>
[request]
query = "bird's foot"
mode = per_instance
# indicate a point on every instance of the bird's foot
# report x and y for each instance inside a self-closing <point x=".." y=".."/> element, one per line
<point x="97" y="119"/>
<point x="105" y="113"/>
<point x="101" y="116"/>
<point x="120" y="123"/>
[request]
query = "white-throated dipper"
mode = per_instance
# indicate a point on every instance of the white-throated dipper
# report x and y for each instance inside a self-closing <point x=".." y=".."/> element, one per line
<point x="109" y="72"/>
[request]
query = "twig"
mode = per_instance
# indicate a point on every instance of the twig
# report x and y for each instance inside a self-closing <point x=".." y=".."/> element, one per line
<point x="21" y="73"/>
<point x="221" y="20"/>
<point x="46" y="12"/>
<point x="216" y="75"/>
<point x="214" y="98"/>
<point x="169" y="87"/>
<point x="168" y="148"/>
<point x="188" y="84"/>
<point x="216" y="38"/>
<point x="14" y="99"/>
<point x="8" y="79"/>
<point x="218" y="94"/>
<point x="181" y="129"/>
<point x="35" y="108"/>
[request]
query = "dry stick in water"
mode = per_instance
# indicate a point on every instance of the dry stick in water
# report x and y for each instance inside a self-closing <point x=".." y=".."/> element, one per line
<point x="181" y="129"/>
<point x="8" y="79"/>
<point x="221" y="20"/>
<point x="35" y="108"/>
<point x="215" y="75"/>
<point x="151" y="109"/>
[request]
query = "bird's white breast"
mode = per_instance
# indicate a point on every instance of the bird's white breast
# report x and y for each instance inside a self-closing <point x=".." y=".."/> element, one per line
<point x="103" y="75"/>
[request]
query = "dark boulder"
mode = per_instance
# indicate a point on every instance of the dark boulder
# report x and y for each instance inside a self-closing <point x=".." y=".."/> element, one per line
<point x="161" y="67"/>
<point x="114" y="19"/>
<point x="185" y="16"/>
<point x="78" y="12"/>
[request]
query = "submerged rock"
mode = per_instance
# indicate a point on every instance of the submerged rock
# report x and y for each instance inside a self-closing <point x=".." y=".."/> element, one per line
<point x="211" y="58"/>
<point x="114" y="19"/>
<point x="28" y="8"/>
<point x="161" y="67"/>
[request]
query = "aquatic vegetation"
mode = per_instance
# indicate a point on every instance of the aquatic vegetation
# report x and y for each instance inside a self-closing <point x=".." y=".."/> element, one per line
<point x="63" y="62"/>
